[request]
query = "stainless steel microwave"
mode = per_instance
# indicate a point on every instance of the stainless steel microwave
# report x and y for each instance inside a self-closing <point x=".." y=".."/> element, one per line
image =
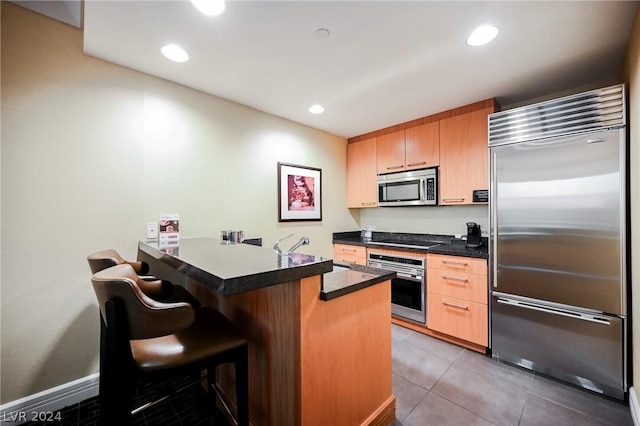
<point x="413" y="188"/>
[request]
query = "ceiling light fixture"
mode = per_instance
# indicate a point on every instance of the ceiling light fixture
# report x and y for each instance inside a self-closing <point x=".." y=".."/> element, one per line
<point x="175" y="53"/>
<point x="482" y="35"/>
<point x="209" y="7"/>
<point x="316" y="109"/>
<point x="322" y="33"/>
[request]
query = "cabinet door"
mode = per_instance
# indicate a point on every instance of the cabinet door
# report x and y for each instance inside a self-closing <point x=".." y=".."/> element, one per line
<point x="391" y="152"/>
<point x="464" y="156"/>
<point x="362" y="187"/>
<point x="422" y="146"/>
<point x="459" y="318"/>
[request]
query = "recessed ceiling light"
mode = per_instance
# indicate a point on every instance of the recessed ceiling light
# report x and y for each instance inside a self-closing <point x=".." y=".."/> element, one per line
<point x="175" y="53"/>
<point x="482" y="35"/>
<point x="209" y="7"/>
<point x="322" y="33"/>
<point x="316" y="109"/>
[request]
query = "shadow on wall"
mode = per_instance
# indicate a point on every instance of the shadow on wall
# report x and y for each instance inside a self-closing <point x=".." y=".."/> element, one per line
<point x="75" y="355"/>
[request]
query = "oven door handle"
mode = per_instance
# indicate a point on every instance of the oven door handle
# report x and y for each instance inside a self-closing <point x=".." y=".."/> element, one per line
<point x="409" y="276"/>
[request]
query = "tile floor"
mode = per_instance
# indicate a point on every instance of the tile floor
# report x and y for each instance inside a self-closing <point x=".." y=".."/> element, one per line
<point x="435" y="384"/>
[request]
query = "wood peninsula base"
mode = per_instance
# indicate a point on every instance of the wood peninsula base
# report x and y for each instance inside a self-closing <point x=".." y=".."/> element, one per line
<point x="312" y="362"/>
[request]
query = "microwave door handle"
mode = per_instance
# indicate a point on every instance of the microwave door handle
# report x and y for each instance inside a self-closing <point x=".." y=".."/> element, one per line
<point x="423" y="189"/>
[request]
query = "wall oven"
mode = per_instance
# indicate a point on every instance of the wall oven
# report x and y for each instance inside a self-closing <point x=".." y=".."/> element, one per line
<point x="413" y="188"/>
<point x="408" y="288"/>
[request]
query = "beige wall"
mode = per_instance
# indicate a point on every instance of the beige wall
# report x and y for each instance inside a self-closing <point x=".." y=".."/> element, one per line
<point x="632" y="77"/>
<point x="91" y="151"/>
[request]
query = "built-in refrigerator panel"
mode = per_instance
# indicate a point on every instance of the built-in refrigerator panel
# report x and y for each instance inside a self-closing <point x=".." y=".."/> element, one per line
<point x="581" y="348"/>
<point x="557" y="249"/>
<point x="557" y="210"/>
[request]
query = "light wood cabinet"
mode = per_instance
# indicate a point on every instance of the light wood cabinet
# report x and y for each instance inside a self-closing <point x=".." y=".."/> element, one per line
<point x="467" y="265"/>
<point x="345" y="253"/>
<point x="417" y="147"/>
<point x="459" y="318"/>
<point x="362" y="188"/>
<point x="464" y="156"/>
<point x="422" y="146"/>
<point x="457" y="297"/>
<point x="391" y="152"/>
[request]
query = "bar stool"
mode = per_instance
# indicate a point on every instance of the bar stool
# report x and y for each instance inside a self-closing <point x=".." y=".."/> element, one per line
<point x="143" y="339"/>
<point x="161" y="290"/>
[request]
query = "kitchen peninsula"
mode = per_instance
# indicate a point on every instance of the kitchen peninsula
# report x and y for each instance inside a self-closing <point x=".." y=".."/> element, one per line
<point x="319" y="338"/>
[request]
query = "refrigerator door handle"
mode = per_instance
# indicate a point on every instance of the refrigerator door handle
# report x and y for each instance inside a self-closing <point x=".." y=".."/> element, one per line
<point x="494" y="217"/>
<point x="575" y="315"/>
<point x="596" y="140"/>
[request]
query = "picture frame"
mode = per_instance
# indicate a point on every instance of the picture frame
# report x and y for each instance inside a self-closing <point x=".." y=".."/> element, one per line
<point x="299" y="193"/>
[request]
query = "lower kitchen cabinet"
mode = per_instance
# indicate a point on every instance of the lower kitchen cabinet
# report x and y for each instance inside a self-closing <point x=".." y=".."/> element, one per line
<point x="344" y="253"/>
<point x="458" y="318"/>
<point x="457" y="297"/>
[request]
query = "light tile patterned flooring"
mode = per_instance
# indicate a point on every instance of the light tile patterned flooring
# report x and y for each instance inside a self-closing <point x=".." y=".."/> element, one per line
<point x="437" y="383"/>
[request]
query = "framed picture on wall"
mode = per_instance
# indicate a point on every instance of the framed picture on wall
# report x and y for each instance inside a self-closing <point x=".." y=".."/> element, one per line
<point x="299" y="193"/>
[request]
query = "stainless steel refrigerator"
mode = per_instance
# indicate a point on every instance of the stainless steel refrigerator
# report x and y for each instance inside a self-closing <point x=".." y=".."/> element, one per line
<point x="557" y="239"/>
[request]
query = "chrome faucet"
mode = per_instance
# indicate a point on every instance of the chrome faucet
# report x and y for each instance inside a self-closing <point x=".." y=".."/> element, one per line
<point x="276" y="246"/>
<point x="301" y="242"/>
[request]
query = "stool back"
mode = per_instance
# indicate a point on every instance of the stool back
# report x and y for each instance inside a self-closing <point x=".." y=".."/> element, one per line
<point x="146" y="317"/>
<point x="104" y="259"/>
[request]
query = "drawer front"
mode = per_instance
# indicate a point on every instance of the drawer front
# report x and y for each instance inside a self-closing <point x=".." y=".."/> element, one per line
<point x="461" y="285"/>
<point x="396" y="252"/>
<point x="457" y="263"/>
<point x="458" y="318"/>
<point x="343" y="253"/>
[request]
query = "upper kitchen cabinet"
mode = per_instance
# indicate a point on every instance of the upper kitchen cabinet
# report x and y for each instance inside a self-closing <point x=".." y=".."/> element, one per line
<point x="453" y="140"/>
<point x="416" y="147"/>
<point x="464" y="156"/>
<point x="391" y="157"/>
<point x="422" y="146"/>
<point x="361" y="174"/>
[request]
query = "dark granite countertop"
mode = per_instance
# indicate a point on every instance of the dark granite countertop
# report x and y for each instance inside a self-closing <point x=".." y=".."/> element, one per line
<point x="446" y="244"/>
<point x="236" y="268"/>
<point x="344" y="280"/>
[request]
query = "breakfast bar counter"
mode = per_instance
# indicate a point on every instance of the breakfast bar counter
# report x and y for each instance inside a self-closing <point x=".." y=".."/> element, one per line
<point x="319" y="337"/>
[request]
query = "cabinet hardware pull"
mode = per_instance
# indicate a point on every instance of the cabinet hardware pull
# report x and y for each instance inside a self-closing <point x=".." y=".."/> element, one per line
<point x="447" y="277"/>
<point x="394" y="167"/>
<point x="417" y="164"/>
<point x="453" y="200"/>
<point x="349" y="250"/>
<point x="369" y="203"/>
<point x="453" y="262"/>
<point x="455" y="305"/>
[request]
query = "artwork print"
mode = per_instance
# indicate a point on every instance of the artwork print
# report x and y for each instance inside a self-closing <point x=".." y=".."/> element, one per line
<point x="299" y="193"/>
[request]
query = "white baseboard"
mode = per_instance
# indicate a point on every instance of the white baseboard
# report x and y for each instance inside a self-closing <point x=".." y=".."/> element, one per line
<point x="634" y="406"/>
<point x="47" y="404"/>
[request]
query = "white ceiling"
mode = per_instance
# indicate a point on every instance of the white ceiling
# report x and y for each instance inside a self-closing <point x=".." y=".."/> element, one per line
<point x="385" y="62"/>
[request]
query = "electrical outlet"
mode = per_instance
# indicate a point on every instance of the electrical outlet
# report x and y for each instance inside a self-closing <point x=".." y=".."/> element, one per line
<point x="152" y="230"/>
<point x="371" y="228"/>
